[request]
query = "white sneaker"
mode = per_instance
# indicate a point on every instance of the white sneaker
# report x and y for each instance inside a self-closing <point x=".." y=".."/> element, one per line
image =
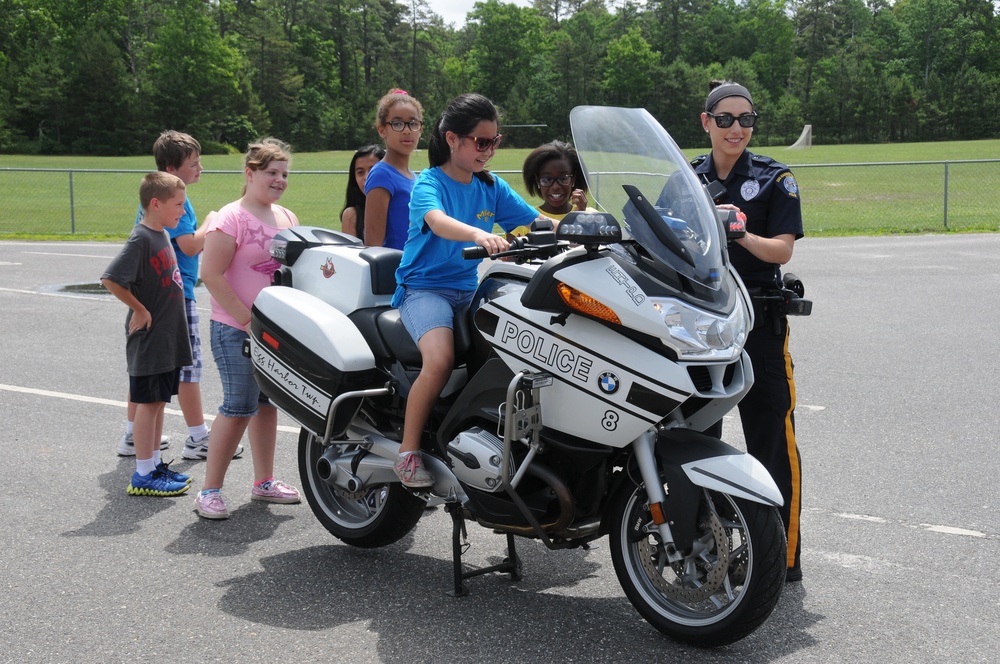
<point x="126" y="446"/>
<point x="198" y="450"/>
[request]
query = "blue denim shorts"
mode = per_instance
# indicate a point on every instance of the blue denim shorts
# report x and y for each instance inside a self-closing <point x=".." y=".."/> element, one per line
<point x="424" y="310"/>
<point x="240" y="394"/>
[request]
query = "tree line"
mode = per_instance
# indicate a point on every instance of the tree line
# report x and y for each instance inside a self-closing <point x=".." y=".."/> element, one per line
<point x="106" y="76"/>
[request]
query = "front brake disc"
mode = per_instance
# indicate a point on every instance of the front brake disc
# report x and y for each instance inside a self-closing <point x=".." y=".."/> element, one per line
<point x="706" y="574"/>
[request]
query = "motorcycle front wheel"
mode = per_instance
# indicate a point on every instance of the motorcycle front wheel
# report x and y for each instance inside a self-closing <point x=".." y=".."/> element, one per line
<point x="722" y="589"/>
<point x="376" y="516"/>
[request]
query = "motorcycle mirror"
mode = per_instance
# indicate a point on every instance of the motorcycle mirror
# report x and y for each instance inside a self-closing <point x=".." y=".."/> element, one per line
<point x="541" y="224"/>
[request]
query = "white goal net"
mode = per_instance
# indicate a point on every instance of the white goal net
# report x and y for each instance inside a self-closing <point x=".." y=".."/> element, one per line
<point x="805" y="139"/>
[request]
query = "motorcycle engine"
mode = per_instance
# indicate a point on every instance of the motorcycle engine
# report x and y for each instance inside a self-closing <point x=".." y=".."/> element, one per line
<point x="477" y="455"/>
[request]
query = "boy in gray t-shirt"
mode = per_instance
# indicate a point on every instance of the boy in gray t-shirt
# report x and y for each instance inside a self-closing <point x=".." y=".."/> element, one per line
<point x="146" y="278"/>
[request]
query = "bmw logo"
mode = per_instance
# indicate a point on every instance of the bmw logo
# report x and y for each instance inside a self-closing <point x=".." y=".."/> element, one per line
<point x="608" y="382"/>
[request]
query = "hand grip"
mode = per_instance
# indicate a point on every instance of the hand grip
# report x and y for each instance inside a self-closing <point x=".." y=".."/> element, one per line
<point x="470" y="253"/>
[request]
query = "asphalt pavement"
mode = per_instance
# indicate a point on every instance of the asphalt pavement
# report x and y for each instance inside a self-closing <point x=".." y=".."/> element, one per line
<point x="897" y="423"/>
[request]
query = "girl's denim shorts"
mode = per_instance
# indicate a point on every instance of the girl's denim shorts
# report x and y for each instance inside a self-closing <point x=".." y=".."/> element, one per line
<point x="240" y="394"/>
<point x="424" y="310"/>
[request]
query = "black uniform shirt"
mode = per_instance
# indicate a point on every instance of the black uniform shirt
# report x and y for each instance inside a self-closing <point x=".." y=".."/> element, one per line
<point x="766" y="192"/>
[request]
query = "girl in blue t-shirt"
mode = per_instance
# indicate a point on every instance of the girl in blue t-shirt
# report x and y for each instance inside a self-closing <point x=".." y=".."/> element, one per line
<point x="454" y="204"/>
<point x="399" y="121"/>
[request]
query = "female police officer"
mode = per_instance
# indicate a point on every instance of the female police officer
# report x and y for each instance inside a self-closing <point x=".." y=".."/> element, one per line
<point x="767" y="194"/>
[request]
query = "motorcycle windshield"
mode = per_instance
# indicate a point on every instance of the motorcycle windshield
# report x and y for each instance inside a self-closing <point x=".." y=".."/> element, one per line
<point x="637" y="173"/>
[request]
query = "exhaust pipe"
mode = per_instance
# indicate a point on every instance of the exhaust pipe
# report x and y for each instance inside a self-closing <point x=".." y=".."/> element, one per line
<point x="567" y="510"/>
<point x="332" y="474"/>
<point x="324" y="469"/>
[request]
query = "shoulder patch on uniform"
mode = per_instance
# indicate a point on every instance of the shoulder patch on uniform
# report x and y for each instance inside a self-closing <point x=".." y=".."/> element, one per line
<point x="787" y="182"/>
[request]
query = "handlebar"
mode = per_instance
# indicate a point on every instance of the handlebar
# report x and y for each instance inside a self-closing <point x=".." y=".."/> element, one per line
<point x="537" y="244"/>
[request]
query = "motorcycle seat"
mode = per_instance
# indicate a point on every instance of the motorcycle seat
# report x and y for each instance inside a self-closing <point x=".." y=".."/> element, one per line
<point x="402" y="346"/>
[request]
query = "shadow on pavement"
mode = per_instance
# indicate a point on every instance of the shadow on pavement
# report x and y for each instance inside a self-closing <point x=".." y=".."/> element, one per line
<point x="401" y="598"/>
<point x="123" y="514"/>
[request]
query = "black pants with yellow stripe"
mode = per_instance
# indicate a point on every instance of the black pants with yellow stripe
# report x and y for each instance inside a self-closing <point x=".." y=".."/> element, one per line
<point x="768" y="416"/>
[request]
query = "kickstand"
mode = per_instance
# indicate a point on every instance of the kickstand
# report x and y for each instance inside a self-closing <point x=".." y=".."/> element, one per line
<point x="510" y="565"/>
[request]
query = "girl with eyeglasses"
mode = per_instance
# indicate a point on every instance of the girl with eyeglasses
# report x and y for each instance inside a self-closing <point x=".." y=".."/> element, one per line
<point x="454" y="205"/>
<point x="553" y="173"/>
<point x="399" y="121"/>
<point x="766" y="192"/>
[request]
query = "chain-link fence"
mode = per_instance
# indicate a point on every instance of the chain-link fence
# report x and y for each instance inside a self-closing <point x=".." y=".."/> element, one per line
<point x="104" y="202"/>
<point x="899" y="197"/>
<point x="837" y="198"/>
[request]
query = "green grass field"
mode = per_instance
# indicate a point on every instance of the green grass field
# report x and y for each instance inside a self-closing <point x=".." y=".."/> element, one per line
<point x="879" y="197"/>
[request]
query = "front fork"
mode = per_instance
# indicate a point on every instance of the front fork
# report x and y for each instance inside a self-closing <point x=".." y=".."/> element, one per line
<point x="643" y="447"/>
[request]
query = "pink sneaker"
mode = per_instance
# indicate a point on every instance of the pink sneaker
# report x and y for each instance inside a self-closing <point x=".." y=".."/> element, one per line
<point x="410" y="471"/>
<point x="275" y="491"/>
<point x="211" y="505"/>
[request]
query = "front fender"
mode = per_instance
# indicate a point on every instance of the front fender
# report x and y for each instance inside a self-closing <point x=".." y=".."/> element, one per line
<point x="690" y="462"/>
<point x="712" y="464"/>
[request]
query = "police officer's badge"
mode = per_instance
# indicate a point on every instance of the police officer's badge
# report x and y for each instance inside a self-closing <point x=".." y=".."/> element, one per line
<point x="749" y="189"/>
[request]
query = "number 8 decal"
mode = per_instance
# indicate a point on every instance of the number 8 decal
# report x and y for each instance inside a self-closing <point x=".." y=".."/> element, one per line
<point x="610" y="421"/>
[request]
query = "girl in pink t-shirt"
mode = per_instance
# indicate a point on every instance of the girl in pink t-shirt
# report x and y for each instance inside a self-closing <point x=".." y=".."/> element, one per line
<point x="236" y="266"/>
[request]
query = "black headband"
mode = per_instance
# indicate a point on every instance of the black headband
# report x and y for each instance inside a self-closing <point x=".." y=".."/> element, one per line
<point x="726" y="90"/>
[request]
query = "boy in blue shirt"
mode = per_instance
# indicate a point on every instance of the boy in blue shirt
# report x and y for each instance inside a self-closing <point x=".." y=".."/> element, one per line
<point x="179" y="154"/>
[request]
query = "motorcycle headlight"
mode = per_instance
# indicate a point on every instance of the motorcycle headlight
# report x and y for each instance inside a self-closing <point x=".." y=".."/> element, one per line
<point x="695" y="333"/>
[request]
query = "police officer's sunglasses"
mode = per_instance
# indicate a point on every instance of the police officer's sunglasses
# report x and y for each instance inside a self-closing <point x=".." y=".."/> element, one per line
<point x="725" y="120"/>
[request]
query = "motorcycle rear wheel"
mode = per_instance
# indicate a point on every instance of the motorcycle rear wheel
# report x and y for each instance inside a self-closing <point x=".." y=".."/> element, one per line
<point x="723" y="589"/>
<point x="376" y="516"/>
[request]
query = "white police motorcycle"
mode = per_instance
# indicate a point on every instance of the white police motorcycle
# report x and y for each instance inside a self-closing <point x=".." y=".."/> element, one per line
<point x="586" y="365"/>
